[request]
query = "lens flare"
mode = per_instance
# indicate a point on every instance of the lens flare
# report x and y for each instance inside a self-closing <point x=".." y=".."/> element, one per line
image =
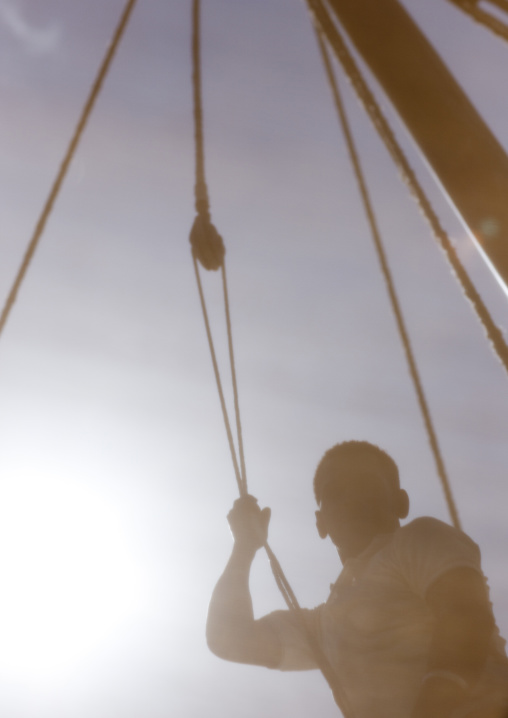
<point x="69" y="578"/>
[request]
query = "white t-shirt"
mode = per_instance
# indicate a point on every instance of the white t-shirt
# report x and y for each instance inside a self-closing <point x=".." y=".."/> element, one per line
<point x="376" y="627"/>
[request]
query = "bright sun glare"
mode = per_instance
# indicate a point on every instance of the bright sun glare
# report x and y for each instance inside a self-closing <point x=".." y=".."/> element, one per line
<point x="69" y="579"/>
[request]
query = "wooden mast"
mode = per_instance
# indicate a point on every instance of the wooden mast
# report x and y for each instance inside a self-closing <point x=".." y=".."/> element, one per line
<point x="469" y="162"/>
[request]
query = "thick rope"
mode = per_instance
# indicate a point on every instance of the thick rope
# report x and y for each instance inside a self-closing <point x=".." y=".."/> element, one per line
<point x="71" y="150"/>
<point x="470" y="7"/>
<point x="208" y="248"/>
<point x="385" y="132"/>
<point x="200" y="189"/>
<point x="204" y="249"/>
<point x="390" y="285"/>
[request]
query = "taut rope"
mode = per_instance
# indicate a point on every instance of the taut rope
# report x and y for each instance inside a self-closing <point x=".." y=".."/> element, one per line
<point x="71" y="150"/>
<point x="390" y="285"/>
<point x="208" y="249"/>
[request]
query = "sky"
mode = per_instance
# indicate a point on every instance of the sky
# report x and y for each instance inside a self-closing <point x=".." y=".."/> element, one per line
<point x="115" y="472"/>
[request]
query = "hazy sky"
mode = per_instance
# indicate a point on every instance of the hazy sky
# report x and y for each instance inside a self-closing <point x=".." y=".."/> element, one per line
<point x="115" y="472"/>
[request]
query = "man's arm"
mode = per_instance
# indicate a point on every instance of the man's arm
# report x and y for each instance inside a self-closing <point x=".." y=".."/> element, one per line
<point x="231" y="631"/>
<point x="460" y="643"/>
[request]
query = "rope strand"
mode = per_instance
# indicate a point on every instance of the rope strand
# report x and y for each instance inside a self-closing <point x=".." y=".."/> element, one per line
<point x="71" y="150"/>
<point x="390" y="285"/>
<point x="241" y="488"/>
<point x="201" y="190"/>
<point x="233" y="378"/>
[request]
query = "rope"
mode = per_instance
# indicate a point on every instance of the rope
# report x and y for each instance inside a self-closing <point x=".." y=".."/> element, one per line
<point x="280" y="578"/>
<point x="321" y="659"/>
<point x="71" y="150"/>
<point x="385" y="132"/>
<point x="470" y="7"/>
<point x="390" y="286"/>
<point x="201" y="190"/>
<point x="208" y="249"/>
<point x="233" y="378"/>
<point x="242" y="487"/>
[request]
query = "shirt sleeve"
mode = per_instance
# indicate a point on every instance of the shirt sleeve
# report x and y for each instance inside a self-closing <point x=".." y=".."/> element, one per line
<point x="296" y="653"/>
<point x="426" y="549"/>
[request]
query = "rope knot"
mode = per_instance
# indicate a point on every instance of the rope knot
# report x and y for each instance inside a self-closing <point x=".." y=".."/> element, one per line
<point x="207" y="244"/>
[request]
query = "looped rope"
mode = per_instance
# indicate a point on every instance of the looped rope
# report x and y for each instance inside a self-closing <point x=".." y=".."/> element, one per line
<point x="208" y="248"/>
<point x="322" y="661"/>
<point x="390" y="285"/>
<point x="241" y="478"/>
<point x="71" y="150"/>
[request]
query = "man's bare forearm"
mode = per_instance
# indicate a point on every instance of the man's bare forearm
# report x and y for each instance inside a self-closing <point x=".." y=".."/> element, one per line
<point x="232" y="632"/>
<point x="230" y="614"/>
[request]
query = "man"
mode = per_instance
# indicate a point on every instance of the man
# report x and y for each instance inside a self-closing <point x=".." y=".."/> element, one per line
<point x="408" y="627"/>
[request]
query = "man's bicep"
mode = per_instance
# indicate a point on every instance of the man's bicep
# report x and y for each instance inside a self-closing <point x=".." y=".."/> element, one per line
<point x="255" y="644"/>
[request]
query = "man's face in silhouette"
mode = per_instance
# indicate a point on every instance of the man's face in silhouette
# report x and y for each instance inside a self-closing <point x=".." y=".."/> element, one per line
<point x="356" y="506"/>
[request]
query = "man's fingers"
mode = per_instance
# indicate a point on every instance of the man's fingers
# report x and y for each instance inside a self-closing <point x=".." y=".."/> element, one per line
<point x="246" y="500"/>
<point x="248" y="522"/>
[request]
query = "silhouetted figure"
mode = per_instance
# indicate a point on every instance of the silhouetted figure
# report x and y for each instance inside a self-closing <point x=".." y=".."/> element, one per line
<point x="408" y="626"/>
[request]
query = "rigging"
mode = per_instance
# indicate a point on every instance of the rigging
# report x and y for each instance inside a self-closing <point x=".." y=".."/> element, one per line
<point x="390" y="286"/>
<point x="384" y="130"/>
<point x="208" y="249"/>
<point x="71" y="150"/>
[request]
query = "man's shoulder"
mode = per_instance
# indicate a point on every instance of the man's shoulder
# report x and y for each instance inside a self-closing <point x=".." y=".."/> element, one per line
<point x="430" y="531"/>
<point x="427" y="537"/>
<point x="426" y="548"/>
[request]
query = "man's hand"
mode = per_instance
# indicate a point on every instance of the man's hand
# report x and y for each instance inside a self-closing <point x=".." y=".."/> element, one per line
<point x="249" y="524"/>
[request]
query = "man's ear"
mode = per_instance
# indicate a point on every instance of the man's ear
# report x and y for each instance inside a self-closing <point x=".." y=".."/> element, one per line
<point x="320" y="525"/>
<point x="402" y="504"/>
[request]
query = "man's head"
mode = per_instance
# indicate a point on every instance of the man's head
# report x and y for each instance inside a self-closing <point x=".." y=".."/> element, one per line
<point x="358" y="491"/>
